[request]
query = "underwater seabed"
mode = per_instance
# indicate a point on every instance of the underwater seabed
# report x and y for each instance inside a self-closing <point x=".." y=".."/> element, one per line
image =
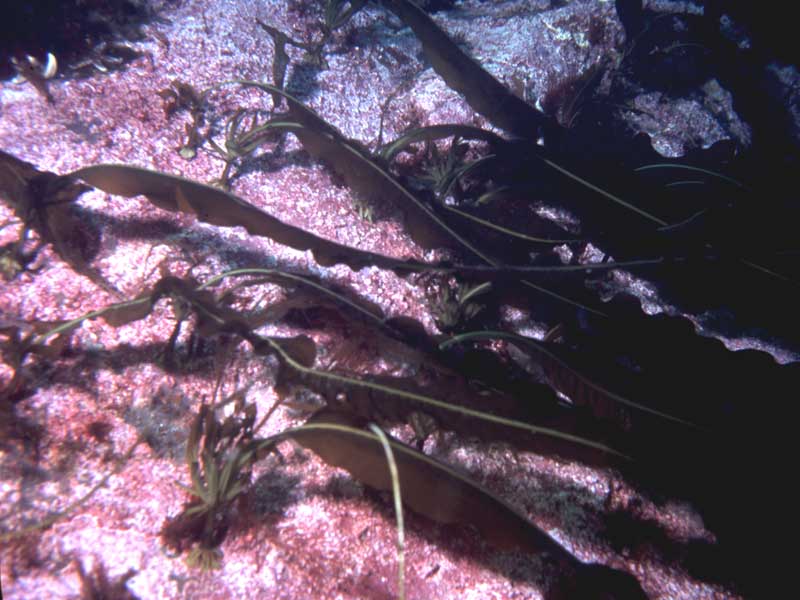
<point x="271" y="269"/>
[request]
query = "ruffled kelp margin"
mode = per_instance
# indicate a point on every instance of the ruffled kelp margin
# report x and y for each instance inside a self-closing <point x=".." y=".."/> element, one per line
<point x="672" y="412"/>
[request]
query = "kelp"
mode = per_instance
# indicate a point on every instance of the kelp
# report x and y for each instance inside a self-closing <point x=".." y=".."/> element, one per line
<point x="636" y="242"/>
<point x="280" y="61"/>
<point x="427" y="486"/>
<point x="217" y="207"/>
<point x="582" y="391"/>
<point x="397" y="496"/>
<point x="431" y="488"/>
<point x="446" y="180"/>
<point x="23" y="338"/>
<point x="508" y="154"/>
<point x="44" y="202"/>
<point x="436" y="132"/>
<point x="369" y="312"/>
<point x="437" y="491"/>
<point x="489" y="97"/>
<point x="605" y="366"/>
<point x="724" y="256"/>
<point x="412" y="346"/>
<point x="524" y="160"/>
<point x="378" y="395"/>
<point x="463" y="74"/>
<point x="694" y="170"/>
<point x="394" y="397"/>
<point x="513" y="233"/>
<point x="365" y="176"/>
<point x="354" y="163"/>
<point x="697" y="380"/>
<point x="318" y="294"/>
<point x="369" y="179"/>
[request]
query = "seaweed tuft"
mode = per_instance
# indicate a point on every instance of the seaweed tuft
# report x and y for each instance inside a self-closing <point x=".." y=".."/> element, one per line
<point x="219" y="459"/>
